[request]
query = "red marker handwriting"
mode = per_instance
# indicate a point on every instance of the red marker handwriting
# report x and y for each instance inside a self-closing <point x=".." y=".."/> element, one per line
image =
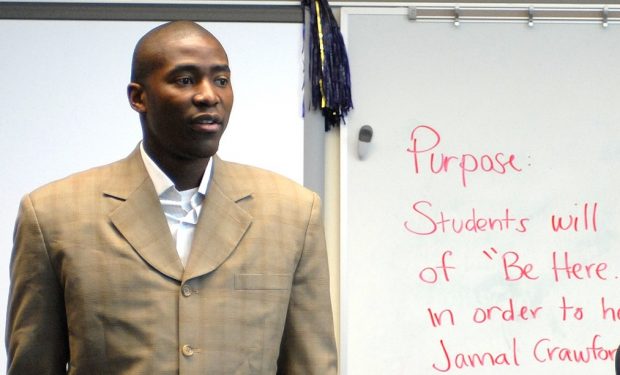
<point x="427" y="221"/>
<point x="424" y="139"/>
<point x="581" y="221"/>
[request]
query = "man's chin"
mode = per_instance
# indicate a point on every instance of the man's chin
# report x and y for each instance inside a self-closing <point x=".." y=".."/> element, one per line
<point x="202" y="152"/>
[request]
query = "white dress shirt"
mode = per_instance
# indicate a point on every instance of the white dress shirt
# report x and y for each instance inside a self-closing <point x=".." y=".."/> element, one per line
<point x="182" y="208"/>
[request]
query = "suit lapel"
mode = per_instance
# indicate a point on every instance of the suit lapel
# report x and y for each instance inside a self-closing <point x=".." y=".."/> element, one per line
<point x="222" y="222"/>
<point x="140" y="218"/>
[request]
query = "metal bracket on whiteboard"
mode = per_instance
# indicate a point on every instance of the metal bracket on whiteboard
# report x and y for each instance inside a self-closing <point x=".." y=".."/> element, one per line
<point x="457" y="16"/>
<point x="411" y="13"/>
<point x="543" y="13"/>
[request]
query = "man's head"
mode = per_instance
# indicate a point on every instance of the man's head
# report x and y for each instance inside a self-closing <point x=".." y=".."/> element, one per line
<point x="180" y="86"/>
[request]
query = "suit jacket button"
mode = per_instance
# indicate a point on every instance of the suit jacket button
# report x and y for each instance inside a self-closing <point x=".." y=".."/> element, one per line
<point x="187" y="351"/>
<point x="186" y="290"/>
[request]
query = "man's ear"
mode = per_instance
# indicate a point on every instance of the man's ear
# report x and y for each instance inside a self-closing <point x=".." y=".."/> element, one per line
<point x="135" y="94"/>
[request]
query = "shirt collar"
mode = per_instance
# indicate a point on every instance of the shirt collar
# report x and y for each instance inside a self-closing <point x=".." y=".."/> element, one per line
<point x="162" y="182"/>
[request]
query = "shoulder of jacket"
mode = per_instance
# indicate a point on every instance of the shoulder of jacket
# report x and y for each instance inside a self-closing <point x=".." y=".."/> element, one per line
<point x="81" y="181"/>
<point x="261" y="180"/>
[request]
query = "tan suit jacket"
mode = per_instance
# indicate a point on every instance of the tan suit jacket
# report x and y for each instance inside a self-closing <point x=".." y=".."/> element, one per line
<point x="96" y="281"/>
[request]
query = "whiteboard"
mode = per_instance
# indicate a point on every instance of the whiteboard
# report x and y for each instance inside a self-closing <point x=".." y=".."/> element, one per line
<point x="63" y="106"/>
<point x="481" y="233"/>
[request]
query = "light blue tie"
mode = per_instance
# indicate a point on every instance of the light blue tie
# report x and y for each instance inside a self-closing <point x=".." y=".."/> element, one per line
<point x="179" y="208"/>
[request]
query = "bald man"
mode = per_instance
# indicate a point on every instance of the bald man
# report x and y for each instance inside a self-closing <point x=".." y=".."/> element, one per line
<point x="171" y="261"/>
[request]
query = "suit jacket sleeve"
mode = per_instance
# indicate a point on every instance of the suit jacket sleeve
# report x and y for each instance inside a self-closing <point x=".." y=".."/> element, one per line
<point x="308" y="346"/>
<point x="36" y="330"/>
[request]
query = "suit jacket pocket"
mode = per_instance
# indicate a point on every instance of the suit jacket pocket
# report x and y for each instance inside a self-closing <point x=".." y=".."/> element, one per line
<point x="262" y="282"/>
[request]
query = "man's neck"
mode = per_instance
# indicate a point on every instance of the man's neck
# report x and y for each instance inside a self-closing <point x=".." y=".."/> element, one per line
<point x="184" y="173"/>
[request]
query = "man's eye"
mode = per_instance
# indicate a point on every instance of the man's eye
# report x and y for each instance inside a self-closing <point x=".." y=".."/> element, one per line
<point x="221" y="81"/>
<point x="184" y="81"/>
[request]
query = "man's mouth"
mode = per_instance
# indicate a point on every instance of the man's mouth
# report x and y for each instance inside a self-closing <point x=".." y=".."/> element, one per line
<point x="207" y="123"/>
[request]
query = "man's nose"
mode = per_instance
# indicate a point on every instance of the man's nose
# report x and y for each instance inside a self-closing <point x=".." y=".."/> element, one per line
<point x="206" y="94"/>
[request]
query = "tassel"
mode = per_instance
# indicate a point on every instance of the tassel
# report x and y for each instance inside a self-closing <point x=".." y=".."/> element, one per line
<point x="329" y="74"/>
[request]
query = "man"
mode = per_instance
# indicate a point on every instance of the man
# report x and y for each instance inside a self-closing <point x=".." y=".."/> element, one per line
<point x="171" y="260"/>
